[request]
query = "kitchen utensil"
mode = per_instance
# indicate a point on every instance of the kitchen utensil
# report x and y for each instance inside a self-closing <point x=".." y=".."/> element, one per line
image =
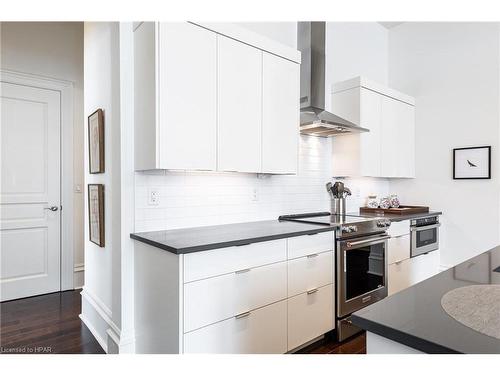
<point x="338" y="189"/>
<point x="329" y="189"/>
<point x="347" y="192"/>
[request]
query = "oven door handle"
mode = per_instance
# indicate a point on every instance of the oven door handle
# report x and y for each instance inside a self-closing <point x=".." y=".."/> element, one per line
<point x="425" y="227"/>
<point x="351" y="244"/>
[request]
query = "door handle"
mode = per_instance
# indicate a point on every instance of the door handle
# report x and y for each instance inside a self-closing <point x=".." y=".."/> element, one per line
<point x="51" y="208"/>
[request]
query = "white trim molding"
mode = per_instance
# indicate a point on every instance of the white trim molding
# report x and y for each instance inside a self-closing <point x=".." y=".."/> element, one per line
<point x="98" y="319"/>
<point x="67" y="123"/>
<point x="79" y="276"/>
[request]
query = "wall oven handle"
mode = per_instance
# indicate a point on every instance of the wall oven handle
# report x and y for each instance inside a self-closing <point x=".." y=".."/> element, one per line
<point x="370" y="240"/>
<point x="425" y="227"/>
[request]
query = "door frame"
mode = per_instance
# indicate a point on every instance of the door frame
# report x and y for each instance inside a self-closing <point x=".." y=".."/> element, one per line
<point x="65" y="89"/>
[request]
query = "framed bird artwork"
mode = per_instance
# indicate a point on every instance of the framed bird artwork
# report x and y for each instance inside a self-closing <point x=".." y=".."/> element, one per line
<point x="472" y="163"/>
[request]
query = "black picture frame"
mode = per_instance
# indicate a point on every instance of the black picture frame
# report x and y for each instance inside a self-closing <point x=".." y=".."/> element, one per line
<point x="455" y="150"/>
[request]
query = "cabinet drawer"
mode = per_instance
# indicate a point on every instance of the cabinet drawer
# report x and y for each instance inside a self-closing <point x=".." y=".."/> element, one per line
<point x="211" y="300"/>
<point x="398" y="249"/>
<point x="310" y="272"/>
<point x="399" y="228"/>
<point x="398" y="276"/>
<point x="262" y="331"/>
<point x="210" y="263"/>
<point x="309" y="316"/>
<point x="311" y="244"/>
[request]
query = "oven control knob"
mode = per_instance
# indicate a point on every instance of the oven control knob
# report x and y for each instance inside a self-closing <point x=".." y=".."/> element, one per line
<point x="345" y="230"/>
<point x="353" y="228"/>
<point x="380" y="224"/>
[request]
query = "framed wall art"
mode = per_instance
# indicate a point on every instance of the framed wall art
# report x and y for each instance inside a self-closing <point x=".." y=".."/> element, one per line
<point x="96" y="142"/>
<point x="96" y="213"/>
<point x="471" y="163"/>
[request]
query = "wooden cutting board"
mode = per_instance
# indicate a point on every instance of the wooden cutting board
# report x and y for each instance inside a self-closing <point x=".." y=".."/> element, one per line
<point x="401" y="210"/>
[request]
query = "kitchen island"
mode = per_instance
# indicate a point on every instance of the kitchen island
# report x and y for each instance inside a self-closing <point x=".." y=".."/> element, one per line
<point x="415" y="321"/>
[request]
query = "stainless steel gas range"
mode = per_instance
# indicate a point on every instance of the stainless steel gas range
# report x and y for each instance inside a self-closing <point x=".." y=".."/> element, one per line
<point x="360" y="264"/>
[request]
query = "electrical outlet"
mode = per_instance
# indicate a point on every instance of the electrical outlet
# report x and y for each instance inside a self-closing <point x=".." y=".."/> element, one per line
<point x="255" y="194"/>
<point x="153" y="197"/>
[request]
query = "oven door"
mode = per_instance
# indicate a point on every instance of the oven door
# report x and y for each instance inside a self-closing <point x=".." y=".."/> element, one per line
<point x="361" y="273"/>
<point x="424" y="239"/>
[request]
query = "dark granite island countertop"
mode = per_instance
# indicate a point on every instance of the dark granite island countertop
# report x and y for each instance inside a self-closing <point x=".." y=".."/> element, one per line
<point x="189" y="240"/>
<point x="414" y="317"/>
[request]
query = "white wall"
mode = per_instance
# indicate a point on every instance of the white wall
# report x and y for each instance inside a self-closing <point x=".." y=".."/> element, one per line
<point x="101" y="305"/>
<point x="357" y="49"/>
<point x="282" y="32"/>
<point x="354" y="49"/>
<point x="54" y="49"/>
<point x="452" y="69"/>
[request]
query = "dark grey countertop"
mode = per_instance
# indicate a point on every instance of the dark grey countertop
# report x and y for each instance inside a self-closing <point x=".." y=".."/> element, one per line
<point x="182" y="241"/>
<point x="400" y="217"/>
<point x="415" y="317"/>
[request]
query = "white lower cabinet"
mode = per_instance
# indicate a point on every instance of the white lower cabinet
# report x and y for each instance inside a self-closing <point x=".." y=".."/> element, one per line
<point x="263" y="331"/>
<point x="266" y="297"/>
<point x="403" y="274"/>
<point x="218" y="298"/>
<point x="310" y="315"/>
<point x="309" y="272"/>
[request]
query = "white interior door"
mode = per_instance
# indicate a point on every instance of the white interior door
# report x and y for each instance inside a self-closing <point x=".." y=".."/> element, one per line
<point x="30" y="185"/>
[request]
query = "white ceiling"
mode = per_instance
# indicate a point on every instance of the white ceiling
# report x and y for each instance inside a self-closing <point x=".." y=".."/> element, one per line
<point x="390" y="25"/>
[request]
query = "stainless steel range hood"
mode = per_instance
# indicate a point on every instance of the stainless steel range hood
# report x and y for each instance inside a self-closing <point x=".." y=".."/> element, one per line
<point x="311" y="41"/>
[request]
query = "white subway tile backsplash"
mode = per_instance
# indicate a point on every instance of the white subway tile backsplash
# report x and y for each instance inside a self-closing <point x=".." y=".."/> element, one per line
<point x="190" y="199"/>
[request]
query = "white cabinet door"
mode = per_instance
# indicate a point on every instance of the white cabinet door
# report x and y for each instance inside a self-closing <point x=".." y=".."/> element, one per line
<point x="310" y="315"/>
<point x="239" y="106"/>
<point x="263" y="331"/>
<point x="217" y="298"/>
<point x="399" y="276"/>
<point x="389" y="148"/>
<point x="309" y="273"/>
<point x="398" y="139"/>
<point x="398" y="248"/>
<point x="370" y="143"/>
<point x="406" y="140"/>
<point x="187" y="72"/>
<point x="280" y="115"/>
<point x="310" y="244"/>
<point x="204" y="264"/>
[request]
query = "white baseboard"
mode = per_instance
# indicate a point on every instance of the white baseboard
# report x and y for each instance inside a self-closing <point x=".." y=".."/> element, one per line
<point x="78" y="276"/>
<point x="98" y="318"/>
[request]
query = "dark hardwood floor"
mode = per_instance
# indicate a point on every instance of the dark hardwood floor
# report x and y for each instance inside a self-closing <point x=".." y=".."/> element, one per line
<point x="45" y="324"/>
<point x="50" y="324"/>
<point x="354" y="345"/>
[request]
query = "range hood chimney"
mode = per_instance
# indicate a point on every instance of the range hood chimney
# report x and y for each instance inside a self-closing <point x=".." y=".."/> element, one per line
<point x="314" y="120"/>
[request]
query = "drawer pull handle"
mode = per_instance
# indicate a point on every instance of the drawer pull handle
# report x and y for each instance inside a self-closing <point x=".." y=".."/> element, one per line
<point x="244" y="244"/>
<point x="312" y="255"/>
<point x="312" y="234"/>
<point x="242" y="315"/>
<point x="312" y="291"/>
<point x="242" y="271"/>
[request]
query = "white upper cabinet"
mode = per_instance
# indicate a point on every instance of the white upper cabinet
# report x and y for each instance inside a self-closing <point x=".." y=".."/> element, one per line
<point x="175" y="96"/>
<point x="240" y="106"/>
<point x="388" y="150"/>
<point x="214" y="97"/>
<point x="280" y="117"/>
